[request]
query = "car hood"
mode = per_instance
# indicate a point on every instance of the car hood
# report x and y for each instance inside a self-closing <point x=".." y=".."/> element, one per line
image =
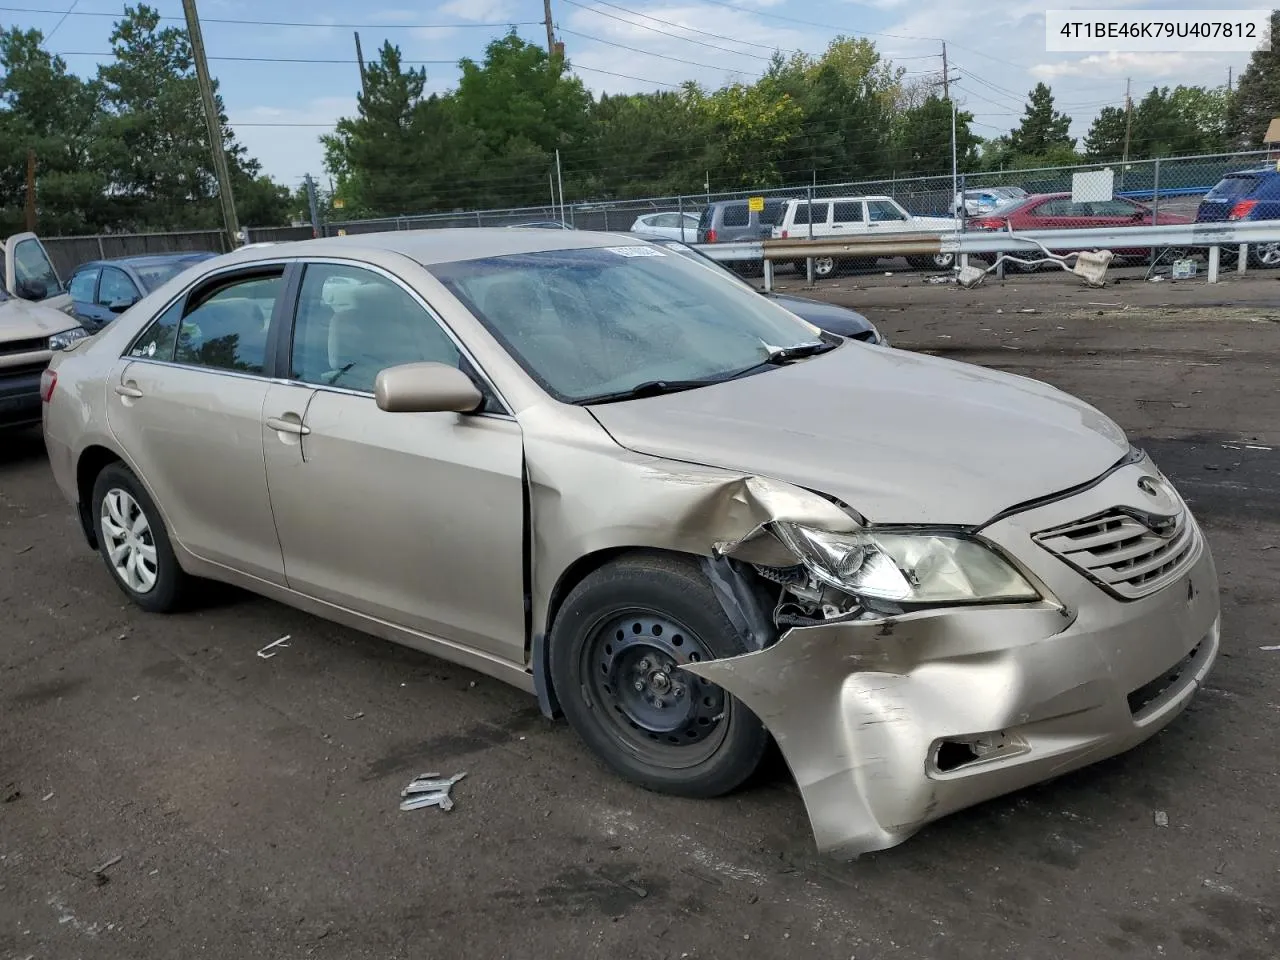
<point x="900" y="437"/>
<point x="24" y="320"/>
<point x="825" y="315"/>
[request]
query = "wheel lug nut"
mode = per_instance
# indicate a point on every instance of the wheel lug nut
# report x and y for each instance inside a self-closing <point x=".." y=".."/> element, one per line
<point x="677" y="691"/>
<point x="659" y="703"/>
<point x="639" y="685"/>
<point x="644" y="666"/>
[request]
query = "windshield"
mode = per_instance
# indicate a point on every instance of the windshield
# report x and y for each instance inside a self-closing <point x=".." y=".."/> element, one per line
<point x="593" y="322"/>
<point x="1231" y="187"/>
<point x="154" y="275"/>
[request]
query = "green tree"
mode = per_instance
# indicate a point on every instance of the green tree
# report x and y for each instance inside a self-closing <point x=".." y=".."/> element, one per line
<point x="155" y="144"/>
<point x="1257" y="97"/>
<point x="922" y="143"/>
<point x="1105" y="139"/>
<point x="55" y="114"/>
<point x="1043" y="131"/>
<point x="847" y="98"/>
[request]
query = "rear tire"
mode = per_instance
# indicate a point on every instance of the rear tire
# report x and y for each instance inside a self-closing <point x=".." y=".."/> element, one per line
<point x="134" y="543"/>
<point x="1263" y="256"/>
<point x="616" y="650"/>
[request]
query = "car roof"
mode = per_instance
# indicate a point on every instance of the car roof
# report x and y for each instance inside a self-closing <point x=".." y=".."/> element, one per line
<point x="849" y="199"/>
<point x="440" y="246"/>
<point x="142" y="259"/>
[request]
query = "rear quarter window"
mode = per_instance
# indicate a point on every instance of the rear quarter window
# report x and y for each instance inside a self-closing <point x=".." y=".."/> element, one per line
<point x="735" y="215"/>
<point x="772" y="213"/>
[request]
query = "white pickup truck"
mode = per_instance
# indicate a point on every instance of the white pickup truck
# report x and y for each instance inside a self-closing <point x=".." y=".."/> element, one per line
<point x="859" y="217"/>
<point x="35" y="320"/>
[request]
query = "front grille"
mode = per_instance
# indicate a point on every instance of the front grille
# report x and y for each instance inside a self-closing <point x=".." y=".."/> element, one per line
<point x="1122" y="552"/>
<point x="31" y="345"/>
<point x="22" y="370"/>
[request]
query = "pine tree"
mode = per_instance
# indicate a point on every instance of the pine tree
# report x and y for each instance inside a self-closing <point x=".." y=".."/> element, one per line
<point x="1257" y="98"/>
<point x="1043" y="130"/>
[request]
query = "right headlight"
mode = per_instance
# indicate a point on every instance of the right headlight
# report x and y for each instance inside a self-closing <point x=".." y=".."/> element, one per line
<point x="908" y="567"/>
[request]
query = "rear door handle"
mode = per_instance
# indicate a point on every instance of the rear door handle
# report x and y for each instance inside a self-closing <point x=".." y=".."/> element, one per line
<point x="128" y="390"/>
<point x="295" y="427"/>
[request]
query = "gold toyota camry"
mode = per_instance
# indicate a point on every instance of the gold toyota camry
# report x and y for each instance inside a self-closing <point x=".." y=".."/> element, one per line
<point x="681" y="516"/>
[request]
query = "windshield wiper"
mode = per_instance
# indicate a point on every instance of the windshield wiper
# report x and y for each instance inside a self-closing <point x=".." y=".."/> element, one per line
<point x="650" y="388"/>
<point x="797" y="352"/>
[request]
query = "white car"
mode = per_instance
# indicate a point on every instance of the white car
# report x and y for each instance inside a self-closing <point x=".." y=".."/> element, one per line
<point x="974" y="203"/>
<point x="859" y="217"/>
<point x="667" y="226"/>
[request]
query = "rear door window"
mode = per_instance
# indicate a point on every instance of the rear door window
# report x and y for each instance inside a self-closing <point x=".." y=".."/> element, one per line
<point x="850" y="211"/>
<point x="735" y="215"/>
<point x="228" y="330"/>
<point x="882" y="211"/>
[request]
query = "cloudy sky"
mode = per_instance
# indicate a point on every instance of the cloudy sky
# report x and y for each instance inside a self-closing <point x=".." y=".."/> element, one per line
<point x="287" y="81"/>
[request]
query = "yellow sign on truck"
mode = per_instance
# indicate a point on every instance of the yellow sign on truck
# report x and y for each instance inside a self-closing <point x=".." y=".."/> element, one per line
<point x="755" y="204"/>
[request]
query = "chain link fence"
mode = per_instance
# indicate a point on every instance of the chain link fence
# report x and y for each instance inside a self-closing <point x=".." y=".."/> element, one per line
<point x="1140" y="192"/>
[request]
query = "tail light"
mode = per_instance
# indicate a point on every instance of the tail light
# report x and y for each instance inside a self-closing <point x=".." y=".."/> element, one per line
<point x="711" y="236"/>
<point x="48" y="380"/>
<point x="988" y="223"/>
<point x="1242" y="209"/>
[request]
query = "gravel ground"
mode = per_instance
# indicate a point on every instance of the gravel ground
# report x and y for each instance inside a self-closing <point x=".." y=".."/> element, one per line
<point x="253" y="803"/>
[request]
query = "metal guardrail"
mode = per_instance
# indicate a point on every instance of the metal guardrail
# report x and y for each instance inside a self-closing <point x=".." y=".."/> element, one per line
<point x="1211" y="236"/>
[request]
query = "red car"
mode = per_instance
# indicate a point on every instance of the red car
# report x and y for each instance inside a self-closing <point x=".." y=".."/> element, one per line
<point x="1055" y="211"/>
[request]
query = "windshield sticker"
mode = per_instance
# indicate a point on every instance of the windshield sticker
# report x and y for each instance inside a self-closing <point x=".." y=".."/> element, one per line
<point x="636" y="251"/>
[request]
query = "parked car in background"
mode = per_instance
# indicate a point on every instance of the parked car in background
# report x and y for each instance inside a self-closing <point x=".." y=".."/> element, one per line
<point x="1056" y="211"/>
<point x="728" y="221"/>
<point x="825" y="316"/>
<point x="669" y="226"/>
<point x="103" y="289"/>
<point x="668" y="508"/>
<point x="32" y="328"/>
<point x="982" y="200"/>
<point x="858" y="217"/>
<point x="1245" y="195"/>
<point x="30" y="275"/>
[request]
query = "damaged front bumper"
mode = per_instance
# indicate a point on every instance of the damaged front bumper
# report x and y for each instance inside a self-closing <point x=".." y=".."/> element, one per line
<point x="891" y="723"/>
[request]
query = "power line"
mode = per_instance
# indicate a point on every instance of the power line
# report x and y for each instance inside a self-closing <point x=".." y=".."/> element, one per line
<point x="112" y="56"/>
<point x="671" y="23"/>
<point x="288" y="23"/>
<point x="63" y="19"/>
<point x="650" y="53"/>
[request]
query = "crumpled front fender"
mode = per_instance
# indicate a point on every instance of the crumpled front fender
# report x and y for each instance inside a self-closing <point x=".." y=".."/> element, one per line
<point x="858" y="707"/>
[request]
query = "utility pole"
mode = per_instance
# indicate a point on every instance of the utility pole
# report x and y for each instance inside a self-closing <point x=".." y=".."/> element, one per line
<point x="31" y="190"/>
<point x="364" y="83"/>
<point x="946" y="74"/>
<point x="551" y="35"/>
<point x="1128" y="126"/>
<point x="314" y="208"/>
<point x="1228" y="79"/>
<point x="214" y="123"/>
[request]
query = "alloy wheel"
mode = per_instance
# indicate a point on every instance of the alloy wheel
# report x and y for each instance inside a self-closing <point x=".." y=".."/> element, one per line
<point x="131" y="548"/>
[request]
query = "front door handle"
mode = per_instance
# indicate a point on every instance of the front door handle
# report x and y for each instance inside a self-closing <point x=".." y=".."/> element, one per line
<point x="293" y="425"/>
<point x="128" y="390"/>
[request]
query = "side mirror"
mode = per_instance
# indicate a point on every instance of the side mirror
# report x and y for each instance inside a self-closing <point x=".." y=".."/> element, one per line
<point x="426" y="388"/>
<point x="120" y="306"/>
<point x="33" y="290"/>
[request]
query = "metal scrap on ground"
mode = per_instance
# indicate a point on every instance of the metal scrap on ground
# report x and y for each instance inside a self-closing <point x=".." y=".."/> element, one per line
<point x="276" y="643"/>
<point x="427" y="790"/>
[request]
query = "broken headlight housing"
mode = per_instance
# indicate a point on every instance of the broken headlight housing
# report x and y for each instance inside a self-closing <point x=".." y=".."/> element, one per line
<point x="908" y="567"/>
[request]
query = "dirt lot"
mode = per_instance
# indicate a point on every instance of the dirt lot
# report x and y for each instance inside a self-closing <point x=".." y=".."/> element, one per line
<point x="252" y="802"/>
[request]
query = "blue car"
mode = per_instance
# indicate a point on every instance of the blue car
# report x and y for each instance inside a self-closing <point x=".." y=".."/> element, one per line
<point x="1246" y="195"/>
<point x="102" y="289"/>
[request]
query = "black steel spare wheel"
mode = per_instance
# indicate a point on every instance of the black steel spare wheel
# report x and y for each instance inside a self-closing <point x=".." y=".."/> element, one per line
<point x="658" y="711"/>
<point x="619" y="648"/>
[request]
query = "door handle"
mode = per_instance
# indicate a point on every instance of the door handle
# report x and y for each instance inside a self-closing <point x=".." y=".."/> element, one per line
<point x="295" y="427"/>
<point x="128" y="390"/>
